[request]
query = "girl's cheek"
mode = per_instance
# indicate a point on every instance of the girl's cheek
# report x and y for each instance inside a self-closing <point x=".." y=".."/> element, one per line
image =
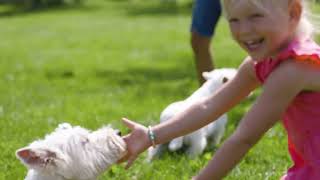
<point x="232" y="27"/>
<point x="233" y="30"/>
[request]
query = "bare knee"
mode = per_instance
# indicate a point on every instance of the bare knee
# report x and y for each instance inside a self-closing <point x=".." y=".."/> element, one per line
<point x="200" y="43"/>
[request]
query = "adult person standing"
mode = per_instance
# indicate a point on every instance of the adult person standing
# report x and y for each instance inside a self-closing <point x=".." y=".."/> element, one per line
<point x="205" y="16"/>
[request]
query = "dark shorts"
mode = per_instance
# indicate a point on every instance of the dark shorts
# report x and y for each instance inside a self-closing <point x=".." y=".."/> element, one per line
<point x="205" y="16"/>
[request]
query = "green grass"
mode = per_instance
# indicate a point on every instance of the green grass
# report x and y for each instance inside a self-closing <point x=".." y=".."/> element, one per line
<point x="93" y="64"/>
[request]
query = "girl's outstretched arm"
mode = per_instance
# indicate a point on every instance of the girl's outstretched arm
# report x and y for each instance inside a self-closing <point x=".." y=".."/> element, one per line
<point x="196" y="116"/>
<point x="207" y="109"/>
<point x="279" y="90"/>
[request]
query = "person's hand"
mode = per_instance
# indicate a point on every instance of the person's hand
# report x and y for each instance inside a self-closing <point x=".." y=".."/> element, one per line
<point x="137" y="141"/>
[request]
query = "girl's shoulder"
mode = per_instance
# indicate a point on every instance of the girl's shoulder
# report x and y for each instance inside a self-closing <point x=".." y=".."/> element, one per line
<point x="301" y="50"/>
<point x="304" y="57"/>
<point x="303" y="53"/>
<point x="247" y="68"/>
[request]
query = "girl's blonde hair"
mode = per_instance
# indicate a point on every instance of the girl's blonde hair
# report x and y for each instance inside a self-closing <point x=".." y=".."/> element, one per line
<point x="306" y="27"/>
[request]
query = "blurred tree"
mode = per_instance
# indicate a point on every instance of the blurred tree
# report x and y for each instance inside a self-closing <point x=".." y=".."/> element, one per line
<point x="31" y="4"/>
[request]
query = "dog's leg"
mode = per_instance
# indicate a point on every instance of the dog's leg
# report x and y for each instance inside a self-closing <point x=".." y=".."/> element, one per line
<point x="176" y="144"/>
<point x="216" y="130"/>
<point x="198" y="143"/>
<point x="156" y="152"/>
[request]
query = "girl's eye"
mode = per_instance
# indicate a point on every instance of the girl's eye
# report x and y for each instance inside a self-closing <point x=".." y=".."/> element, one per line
<point x="233" y="20"/>
<point x="256" y="16"/>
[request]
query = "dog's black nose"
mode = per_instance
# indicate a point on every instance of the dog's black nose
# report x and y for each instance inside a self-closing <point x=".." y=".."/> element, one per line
<point x="118" y="132"/>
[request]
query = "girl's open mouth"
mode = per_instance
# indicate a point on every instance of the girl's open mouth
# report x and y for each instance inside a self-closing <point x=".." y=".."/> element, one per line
<point x="253" y="45"/>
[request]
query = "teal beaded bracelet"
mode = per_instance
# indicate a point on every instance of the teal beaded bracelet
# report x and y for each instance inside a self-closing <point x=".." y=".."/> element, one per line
<point x="152" y="136"/>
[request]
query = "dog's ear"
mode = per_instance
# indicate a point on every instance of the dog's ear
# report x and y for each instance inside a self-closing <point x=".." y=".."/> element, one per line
<point x="36" y="156"/>
<point x="64" y="126"/>
<point x="206" y="75"/>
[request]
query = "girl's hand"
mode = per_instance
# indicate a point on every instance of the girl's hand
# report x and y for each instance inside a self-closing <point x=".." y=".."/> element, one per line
<point x="137" y="141"/>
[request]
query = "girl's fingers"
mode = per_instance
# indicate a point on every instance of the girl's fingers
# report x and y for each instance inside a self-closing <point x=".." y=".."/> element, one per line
<point x="128" y="123"/>
<point x="128" y="139"/>
<point x="123" y="159"/>
<point x="130" y="161"/>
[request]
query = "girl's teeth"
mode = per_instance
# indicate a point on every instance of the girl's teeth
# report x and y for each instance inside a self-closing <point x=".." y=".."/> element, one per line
<point x="253" y="44"/>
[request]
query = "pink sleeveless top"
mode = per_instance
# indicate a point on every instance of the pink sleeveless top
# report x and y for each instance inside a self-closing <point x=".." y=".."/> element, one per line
<point x="302" y="117"/>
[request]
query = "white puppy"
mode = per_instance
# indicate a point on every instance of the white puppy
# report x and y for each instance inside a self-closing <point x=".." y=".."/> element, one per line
<point x="198" y="140"/>
<point x="72" y="153"/>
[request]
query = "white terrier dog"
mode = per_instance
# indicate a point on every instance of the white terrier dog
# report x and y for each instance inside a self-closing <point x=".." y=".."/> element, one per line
<point x="72" y="153"/>
<point x="198" y="140"/>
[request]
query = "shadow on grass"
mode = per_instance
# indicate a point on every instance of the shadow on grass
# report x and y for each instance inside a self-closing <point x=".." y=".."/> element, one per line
<point x="132" y="8"/>
<point x="16" y="10"/>
<point x="146" y="75"/>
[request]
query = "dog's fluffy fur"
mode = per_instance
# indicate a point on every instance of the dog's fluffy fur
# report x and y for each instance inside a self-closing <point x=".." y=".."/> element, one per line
<point x="198" y="140"/>
<point x="72" y="153"/>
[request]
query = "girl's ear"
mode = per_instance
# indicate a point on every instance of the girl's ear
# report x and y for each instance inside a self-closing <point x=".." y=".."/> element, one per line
<point x="295" y="10"/>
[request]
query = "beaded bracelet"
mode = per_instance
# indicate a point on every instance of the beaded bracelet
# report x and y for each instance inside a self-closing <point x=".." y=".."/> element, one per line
<point x="152" y="136"/>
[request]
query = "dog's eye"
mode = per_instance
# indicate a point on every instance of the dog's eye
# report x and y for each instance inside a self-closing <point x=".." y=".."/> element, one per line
<point x="85" y="141"/>
<point x="118" y="132"/>
<point x="224" y="80"/>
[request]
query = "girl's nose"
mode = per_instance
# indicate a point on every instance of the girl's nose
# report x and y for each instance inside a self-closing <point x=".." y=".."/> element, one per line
<point x="244" y="28"/>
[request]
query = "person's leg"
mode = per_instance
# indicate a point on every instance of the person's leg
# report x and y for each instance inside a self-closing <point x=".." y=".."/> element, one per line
<point x="201" y="49"/>
<point x="205" y="16"/>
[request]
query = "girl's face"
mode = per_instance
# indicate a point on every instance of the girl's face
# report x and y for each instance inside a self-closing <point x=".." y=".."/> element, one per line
<point x="261" y="28"/>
